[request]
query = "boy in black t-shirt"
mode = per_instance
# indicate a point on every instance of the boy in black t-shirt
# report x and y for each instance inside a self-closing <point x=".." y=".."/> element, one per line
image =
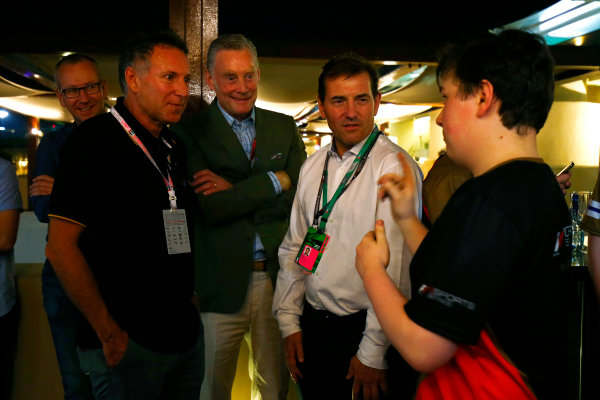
<point x="486" y="280"/>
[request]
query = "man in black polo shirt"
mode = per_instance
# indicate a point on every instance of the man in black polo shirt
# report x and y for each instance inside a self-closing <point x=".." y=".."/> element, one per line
<point x="118" y="237"/>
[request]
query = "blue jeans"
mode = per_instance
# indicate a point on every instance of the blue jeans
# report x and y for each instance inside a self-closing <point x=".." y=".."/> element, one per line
<point x="143" y="374"/>
<point x="65" y="319"/>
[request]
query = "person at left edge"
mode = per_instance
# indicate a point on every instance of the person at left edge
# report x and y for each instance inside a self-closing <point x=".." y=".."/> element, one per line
<point x="10" y="210"/>
<point x="82" y="91"/>
<point x="123" y="253"/>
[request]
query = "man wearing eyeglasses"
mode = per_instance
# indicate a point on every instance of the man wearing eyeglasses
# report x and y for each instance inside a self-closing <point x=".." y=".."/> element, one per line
<point x="82" y="91"/>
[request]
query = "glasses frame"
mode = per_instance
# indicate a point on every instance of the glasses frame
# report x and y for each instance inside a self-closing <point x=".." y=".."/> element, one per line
<point x="79" y="89"/>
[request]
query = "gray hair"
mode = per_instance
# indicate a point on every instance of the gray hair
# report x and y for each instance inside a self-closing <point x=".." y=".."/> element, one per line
<point x="231" y="41"/>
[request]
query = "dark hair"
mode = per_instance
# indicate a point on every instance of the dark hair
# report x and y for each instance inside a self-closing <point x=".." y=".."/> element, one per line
<point x="74" y="58"/>
<point x="347" y="64"/>
<point x="230" y="41"/>
<point x="520" y="67"/>
<point x="140" y="47"/>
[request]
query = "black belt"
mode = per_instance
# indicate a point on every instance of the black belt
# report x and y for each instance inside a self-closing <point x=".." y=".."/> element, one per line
<point x="328" y="315"/>
<point x="259" y="265"/>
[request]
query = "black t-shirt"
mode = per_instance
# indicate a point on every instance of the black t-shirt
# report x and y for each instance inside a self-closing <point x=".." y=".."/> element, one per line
<point x="493" y="259"/>
<point x="106" y="183"/>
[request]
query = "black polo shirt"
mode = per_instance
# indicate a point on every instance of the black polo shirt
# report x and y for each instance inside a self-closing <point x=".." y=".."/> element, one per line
<point x="106" y="183"/>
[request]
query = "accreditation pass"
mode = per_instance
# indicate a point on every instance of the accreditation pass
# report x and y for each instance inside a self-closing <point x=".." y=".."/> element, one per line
<point x="176" y="231"/>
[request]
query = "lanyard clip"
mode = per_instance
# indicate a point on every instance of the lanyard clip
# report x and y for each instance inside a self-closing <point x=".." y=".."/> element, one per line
<point x="173" y="200"/>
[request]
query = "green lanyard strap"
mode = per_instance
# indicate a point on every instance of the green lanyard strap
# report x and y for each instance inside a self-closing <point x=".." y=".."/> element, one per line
<point x="352" y="172"/>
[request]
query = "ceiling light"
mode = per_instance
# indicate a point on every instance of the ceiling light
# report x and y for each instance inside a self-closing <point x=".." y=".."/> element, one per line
<point x="568" y="16"/>
<point x="388" y="85"/>
<point x="36" y="132"/>
<point x="559" y="8"/>
<point x="43" y="107"/>
<point x="576" y="28"/>
<point x="562" y="21"/>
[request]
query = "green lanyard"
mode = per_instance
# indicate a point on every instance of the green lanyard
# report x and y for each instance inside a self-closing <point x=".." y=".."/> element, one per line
<point x="353" y="172"/>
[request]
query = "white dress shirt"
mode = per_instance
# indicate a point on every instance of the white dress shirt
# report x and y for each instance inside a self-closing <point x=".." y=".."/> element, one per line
<point x="336" y="285"/>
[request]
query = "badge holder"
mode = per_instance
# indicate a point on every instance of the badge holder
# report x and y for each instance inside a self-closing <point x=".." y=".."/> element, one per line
<point x="312" y="249"/>
<point x="176" y="231"/>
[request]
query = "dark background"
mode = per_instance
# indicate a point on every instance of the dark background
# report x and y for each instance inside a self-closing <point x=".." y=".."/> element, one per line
<point x="378" y="29"/>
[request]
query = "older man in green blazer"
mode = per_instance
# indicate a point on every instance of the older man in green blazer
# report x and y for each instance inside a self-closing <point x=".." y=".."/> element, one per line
<point x="244" y="164"/>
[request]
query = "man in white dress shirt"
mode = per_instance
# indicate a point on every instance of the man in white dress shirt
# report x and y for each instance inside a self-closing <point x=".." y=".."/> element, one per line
<point x="334" y="344"/>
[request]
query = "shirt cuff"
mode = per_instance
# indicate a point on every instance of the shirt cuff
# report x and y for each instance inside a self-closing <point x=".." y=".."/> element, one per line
<point x="288" y="324"/>
<point x="276" y="184"/>
<point x="371" y="354"/>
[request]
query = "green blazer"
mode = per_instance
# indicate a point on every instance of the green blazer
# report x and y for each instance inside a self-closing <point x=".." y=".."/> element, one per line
<point x="227" y="221"/>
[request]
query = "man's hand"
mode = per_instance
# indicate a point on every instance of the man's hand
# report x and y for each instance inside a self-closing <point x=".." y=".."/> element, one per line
<point x="401" y="190"/>
<point x="41" y="185"/>
<point x="207" y="182"/>
<point x="114" y="346"/>
<point x="367" y="380"/>
<point x="564" y="181"/>
<point x="294" y="351"/>
<point x="373" y="251"/>
<point x="284" y="179"/>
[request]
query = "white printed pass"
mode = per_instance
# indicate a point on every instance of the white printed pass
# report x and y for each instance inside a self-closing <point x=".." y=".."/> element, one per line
<point x="176" y="231"/>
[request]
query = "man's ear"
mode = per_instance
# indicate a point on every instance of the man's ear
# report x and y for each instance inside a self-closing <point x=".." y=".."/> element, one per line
<point x="321" y="108"/>
<point x="377" y="102"/>
<point x="485" y="98"/>
<point x="61" y="100"/>
<point x="131" y="77"/>
<point x="209" y="80"/>
<point x="104" y="89"/>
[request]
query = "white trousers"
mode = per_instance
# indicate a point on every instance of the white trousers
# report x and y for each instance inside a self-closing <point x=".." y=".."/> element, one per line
<point x="223" y="334"/>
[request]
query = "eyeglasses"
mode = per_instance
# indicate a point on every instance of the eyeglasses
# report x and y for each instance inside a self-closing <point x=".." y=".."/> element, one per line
<point x="90" y="88"/>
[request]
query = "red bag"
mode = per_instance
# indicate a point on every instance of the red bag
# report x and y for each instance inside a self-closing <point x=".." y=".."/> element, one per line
<point x="478" y="372"/>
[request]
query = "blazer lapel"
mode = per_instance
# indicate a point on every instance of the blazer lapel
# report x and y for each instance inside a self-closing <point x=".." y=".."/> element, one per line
<point x="221" y="132"/>
<point x="265" y="140"/>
